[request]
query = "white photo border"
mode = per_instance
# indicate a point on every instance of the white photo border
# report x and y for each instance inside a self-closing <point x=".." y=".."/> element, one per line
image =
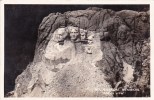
<point x="52" y="2"/>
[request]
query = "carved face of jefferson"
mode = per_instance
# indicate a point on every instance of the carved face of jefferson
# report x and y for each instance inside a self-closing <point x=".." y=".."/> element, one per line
<point x="74" y="33"/>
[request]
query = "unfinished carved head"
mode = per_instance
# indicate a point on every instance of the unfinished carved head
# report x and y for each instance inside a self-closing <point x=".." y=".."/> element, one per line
<point x="83" y="34"/>
<point x="60" y="34"/>
<point x="88" y="50"/>
<point x="144" y="16"/>
<point x="74" y="33"/>
<point x="122" y="31"/>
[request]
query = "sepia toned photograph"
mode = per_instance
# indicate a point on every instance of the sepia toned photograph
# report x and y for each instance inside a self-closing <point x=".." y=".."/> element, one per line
<point x="77" y="50"/>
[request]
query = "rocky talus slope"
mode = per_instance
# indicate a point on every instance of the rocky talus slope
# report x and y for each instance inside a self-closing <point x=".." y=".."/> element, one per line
<point x="89" y="53"/>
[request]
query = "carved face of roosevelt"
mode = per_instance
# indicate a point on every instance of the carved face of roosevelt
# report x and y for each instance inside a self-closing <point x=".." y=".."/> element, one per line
<point x="83" y="34"/>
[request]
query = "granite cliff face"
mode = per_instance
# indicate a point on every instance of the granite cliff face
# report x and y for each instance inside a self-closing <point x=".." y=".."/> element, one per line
<point x="89" y="53"/>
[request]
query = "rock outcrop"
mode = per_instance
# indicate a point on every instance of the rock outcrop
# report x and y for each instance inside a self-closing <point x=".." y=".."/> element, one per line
<point x="88" y="53"/>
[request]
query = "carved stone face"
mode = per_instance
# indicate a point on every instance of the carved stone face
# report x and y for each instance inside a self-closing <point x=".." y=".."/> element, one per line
<point x="90" y="39"/>
<point x="60" y="34"/>
<point x="122" y="32"/>
<point x="74" y="34"/>
<point x="83" y="34"/>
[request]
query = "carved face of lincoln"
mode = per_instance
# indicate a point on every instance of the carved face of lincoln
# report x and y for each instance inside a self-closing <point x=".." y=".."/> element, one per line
<point x="90" y="39"/>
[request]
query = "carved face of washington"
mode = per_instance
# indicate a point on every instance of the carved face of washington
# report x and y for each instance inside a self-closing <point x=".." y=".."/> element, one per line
<point x="60" y="34"/>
